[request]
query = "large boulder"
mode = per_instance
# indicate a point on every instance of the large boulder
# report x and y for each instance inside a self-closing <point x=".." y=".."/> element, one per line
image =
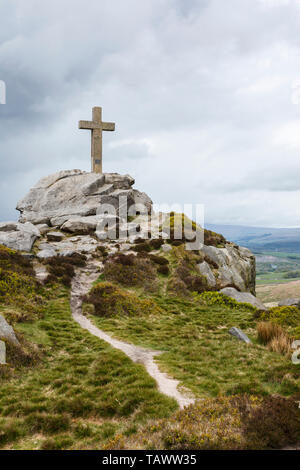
<point x="7" y="333"/>
<point x="75" y="193"/>
<point x="18" y="236"/>
<point x="243" y="297"/>
<point x="232" y="265"/>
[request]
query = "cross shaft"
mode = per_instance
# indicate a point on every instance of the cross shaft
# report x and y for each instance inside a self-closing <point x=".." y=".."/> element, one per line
<point x="97" y="126"/>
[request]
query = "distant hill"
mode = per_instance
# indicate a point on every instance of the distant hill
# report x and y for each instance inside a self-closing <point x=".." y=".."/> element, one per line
<point x="261" y="238"/>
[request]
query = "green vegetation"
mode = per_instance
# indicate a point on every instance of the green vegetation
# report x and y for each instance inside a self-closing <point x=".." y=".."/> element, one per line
<point x="200" y="353"/>
<point x="180" y="228"/>
<point x="238" y="423"/>
<point x="81" y="393"/>
<point x="18" y="287"/>
<point x="107" y="300"/>
<point x="62" y="268"/>
<point x="65" y="389"/>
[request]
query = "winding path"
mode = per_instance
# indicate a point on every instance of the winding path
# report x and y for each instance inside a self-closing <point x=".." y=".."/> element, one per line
<point x="81" y="284"/>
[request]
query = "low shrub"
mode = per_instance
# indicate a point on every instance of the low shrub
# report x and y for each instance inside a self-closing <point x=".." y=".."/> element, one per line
<point x="240" y="422"/>
<point x="142" y="247"/>
<point x="125" y="260"/>
<point x="272" y="424"/>
<point x="213" y="239"/>
<point x="187" y="273"/>
<point x="177" y="288"/>
<point x="108" y="301"/>
<point x="131" y="270"/>
<point x="216" y="298"/>
<point x="13" y="260"/>
<point x="102" y="250"/>
<point x="287" y="316"/>
<point x="163" y="269"/>
<point x="159" y="260"/>
<point x="18" y="286"/>
<point x="156" y="243"/>
<point x="62" y="268"/>
<point x="176" y="242"/>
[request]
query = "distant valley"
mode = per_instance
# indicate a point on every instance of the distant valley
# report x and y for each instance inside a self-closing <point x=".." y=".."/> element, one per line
<point x="277" y="250"/>
<point x="261" y="239"/>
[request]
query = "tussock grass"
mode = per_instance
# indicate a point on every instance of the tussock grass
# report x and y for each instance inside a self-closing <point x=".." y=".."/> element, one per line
<point x="281" y="344"/>
<point x="80" y="395"/>
<point x="199" y="352"/>
<point x="275" y="337"/>
<point x="267" y="331"/>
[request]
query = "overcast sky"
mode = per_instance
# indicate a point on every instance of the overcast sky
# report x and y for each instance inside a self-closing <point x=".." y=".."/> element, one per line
<point x="205" y="95"/>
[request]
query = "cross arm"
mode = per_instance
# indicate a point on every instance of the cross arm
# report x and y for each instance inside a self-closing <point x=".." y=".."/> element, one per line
<point x="108" y="126"/>
<point x="88" y="125"/>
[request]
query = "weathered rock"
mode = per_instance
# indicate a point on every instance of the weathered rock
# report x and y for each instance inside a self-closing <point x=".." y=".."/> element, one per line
<point x="46" y="253"/>
<point x="239" y="334"/>
<point x="21" y="238"/>
<point x="68" y="246"/>
<point x="6" y="332"/>
<point x="55" y="236"/>
<point x="166" y="248"/>
<point x="236" y="266"/>
<point x="41" y="272"/>
<point x="85" y="225"/>
<point x="291" y="302"/>
<point x="81" y="225"/>
<point x="43" y="228"/>
<point x="129" y="229"/>
<point x="206" y="271"/>
<point x="8" y="226"/>
<point x="2" y="352"/>
<point x="56" y="198"/>
<point x="244" y="297"/>
<point x="119" y="181"/>
<point x="142" y="200"/>
<point x="125" y="246"/>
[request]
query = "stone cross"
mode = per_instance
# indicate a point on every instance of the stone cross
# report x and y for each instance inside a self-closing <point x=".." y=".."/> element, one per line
<point x="97" y="126"/>
<point x="2" y="352"/>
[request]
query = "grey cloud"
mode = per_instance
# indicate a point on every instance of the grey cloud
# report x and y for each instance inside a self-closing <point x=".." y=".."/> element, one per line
<point x="198" y="90"/>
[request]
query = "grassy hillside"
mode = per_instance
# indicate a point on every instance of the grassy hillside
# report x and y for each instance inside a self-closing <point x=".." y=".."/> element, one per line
<point x="65" y="389"/>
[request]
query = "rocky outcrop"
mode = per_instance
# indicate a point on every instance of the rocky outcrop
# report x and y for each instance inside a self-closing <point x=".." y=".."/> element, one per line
<point x="68" y="212"/>
<point x="18" y="236"/>
<point x="243" y="297"/>
<point x="232" y="266"/>
<point x="67" y="247"/>
<point x="74" y="193"/>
